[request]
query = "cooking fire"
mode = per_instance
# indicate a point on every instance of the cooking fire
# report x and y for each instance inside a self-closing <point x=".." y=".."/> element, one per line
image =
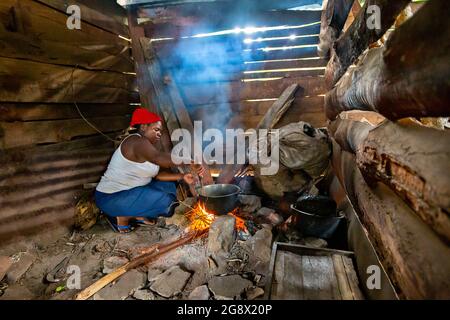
<point x="200" y="219"/>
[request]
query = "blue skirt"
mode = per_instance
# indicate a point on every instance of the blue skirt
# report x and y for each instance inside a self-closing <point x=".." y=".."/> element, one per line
<point x="158" y="198"/>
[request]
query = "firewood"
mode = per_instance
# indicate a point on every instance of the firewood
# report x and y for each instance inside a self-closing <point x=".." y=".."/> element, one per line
<point x="375" y="83"/>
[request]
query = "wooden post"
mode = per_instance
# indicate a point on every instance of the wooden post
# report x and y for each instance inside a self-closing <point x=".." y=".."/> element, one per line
<point x="146" y="91"/>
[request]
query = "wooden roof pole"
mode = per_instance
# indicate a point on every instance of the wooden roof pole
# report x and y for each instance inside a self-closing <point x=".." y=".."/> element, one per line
<point x="146" y="90"/>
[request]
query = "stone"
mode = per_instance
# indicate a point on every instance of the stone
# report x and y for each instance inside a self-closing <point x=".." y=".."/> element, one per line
<point x="5" y="264"/>
<point x="315" y="242"/>
<point x="222" y="235"/>
<point x="124" y="287"/>
<point x="20" y="267"/>
<point x="17" y="292"/>
<point x="250" y="203"/>
<point x="228" y="287"/>
<point x="254" y="292"/>
<point x="179" y="218"/>
<point x="200" y="293"/>
<point x="144" y="295"/>
<point x="269" y="216"/>
<point x="171" y="282"/>
<point x="112" y="263"/>
<point x="152" y="274"/>
<point x="261" y="245"/>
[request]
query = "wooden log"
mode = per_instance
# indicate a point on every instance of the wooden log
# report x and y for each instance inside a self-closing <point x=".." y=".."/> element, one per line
<point x="407" y="247"/>
<point x="332" y="22"/>
<point x="422" y="90"/>
<point x="390" y="154"/>
<point x="360" y="35"/>
<point x="17" y="134"/>
<point x="351" y="128"/>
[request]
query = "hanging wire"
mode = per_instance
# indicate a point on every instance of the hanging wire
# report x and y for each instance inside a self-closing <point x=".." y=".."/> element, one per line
<point x="78" y="109"/>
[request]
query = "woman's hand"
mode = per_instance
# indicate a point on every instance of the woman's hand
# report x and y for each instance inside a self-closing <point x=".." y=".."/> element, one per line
<point x="198" y="169"/>
<point x="188" y="178"/>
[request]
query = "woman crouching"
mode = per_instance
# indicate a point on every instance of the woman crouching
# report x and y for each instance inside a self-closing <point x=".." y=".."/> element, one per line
<point x="133" y="187"/>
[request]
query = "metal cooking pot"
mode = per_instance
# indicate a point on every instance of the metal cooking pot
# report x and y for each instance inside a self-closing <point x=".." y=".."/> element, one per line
<point x="219" y="199"/>
<point x="314" y="225"/>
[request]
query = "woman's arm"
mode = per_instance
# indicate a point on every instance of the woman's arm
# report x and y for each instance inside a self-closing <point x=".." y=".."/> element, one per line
<point x="170" y="176"/>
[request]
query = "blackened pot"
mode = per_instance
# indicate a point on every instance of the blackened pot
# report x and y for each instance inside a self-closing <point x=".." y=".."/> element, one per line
<point x="219" y="199"/>
<point x="317" y="226"/>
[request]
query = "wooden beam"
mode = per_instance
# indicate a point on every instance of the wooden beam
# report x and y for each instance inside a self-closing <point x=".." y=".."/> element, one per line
<point x="407" y="247"/>
<point x="146" y="90"/>
<point x="185" y="122"/>
<point x="278" y="109"/>
<point x="422" y="90"/>
<point x="360" y="35"/>
<point x="161" y="98"/>
<point x="332" y="22"/>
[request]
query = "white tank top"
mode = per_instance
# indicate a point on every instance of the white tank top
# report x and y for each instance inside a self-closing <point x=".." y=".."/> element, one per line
<point x="123" y="174"/>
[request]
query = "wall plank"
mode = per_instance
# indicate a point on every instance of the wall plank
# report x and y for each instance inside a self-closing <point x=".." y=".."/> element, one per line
<point x="26" y="81"/>
<point x="32" y="111"/>
<point x="17" y="134"/>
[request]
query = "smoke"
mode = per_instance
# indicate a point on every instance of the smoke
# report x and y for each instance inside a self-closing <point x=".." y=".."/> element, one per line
<point x="209" y="62"/>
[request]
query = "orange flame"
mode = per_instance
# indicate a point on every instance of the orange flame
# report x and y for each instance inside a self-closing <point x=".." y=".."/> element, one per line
<point x="200" y="219"/>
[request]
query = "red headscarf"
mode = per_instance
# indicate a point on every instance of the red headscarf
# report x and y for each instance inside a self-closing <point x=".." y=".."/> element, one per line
<point x="143" y="116"/>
